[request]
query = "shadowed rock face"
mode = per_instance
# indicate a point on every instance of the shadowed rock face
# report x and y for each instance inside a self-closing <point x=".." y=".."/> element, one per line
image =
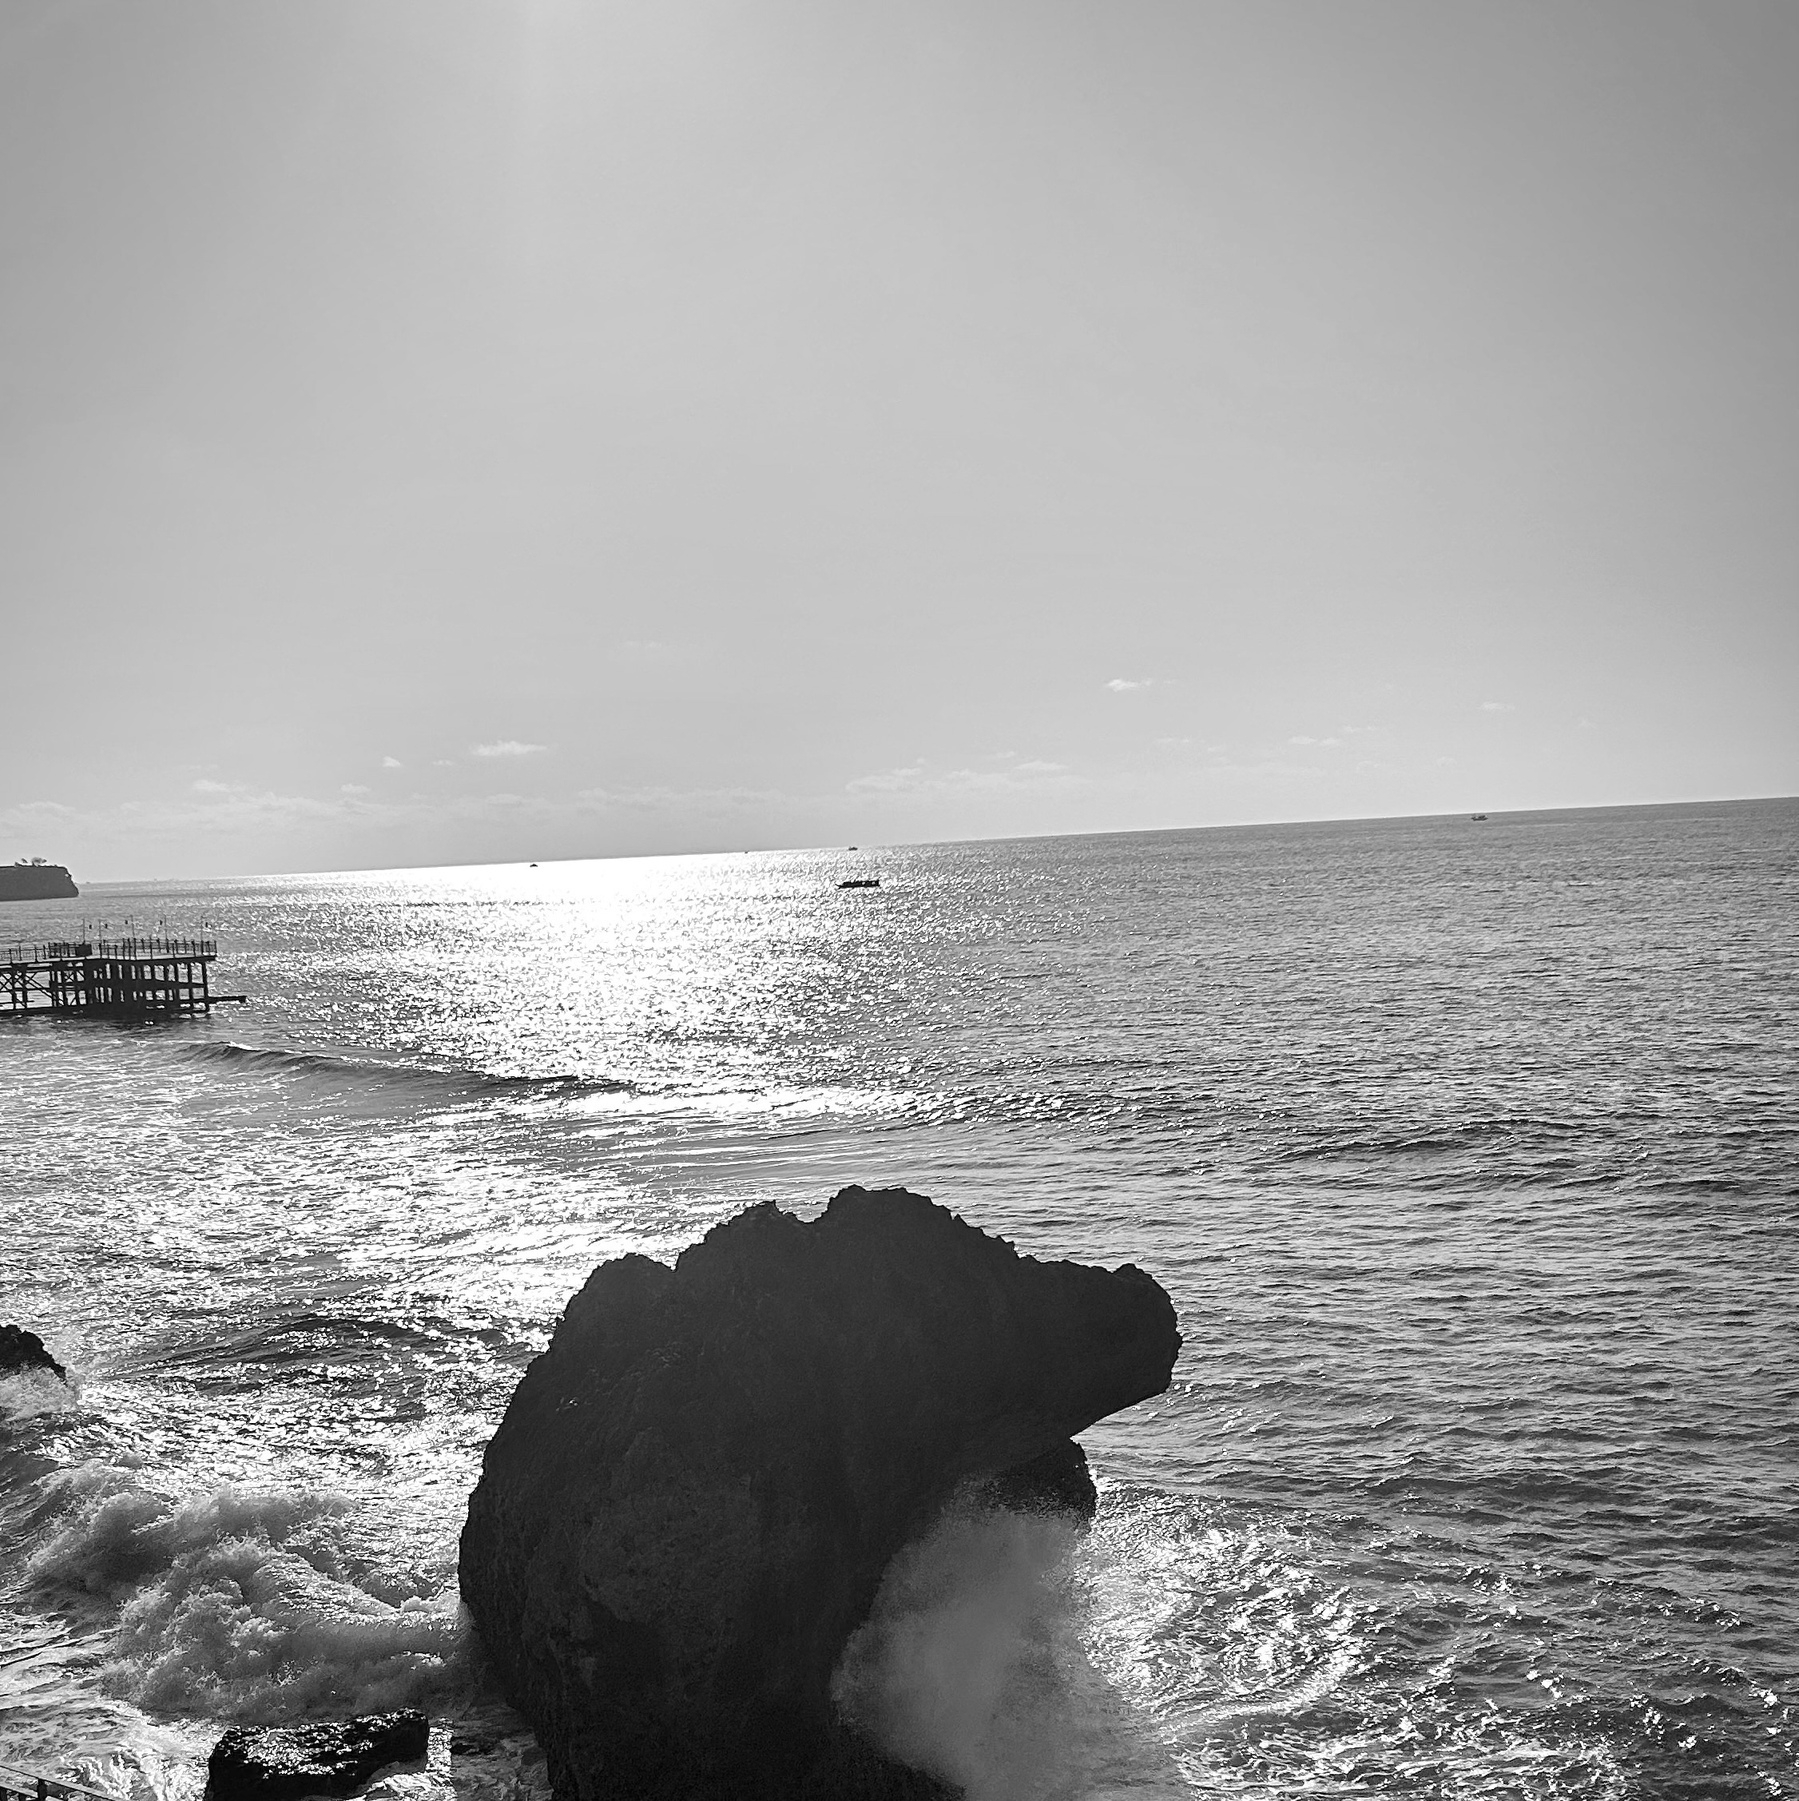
<point x="21" y="1350"/>
<point x="693" y="1495"/>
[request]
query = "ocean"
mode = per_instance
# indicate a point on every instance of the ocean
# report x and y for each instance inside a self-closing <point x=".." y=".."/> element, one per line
<point x="1468" y="1150"/>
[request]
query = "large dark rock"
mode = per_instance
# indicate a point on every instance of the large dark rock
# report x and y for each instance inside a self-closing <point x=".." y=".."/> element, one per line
<point x="21" y="1350"/>
<point x="690" y="1502"/>
<point x="325" y="1757"/>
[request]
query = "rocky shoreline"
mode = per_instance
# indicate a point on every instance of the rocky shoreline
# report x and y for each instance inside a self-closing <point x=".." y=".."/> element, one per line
<point x="688" y="1509"/>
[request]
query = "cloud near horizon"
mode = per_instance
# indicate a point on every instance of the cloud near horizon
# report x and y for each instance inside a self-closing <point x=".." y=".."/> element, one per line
<point x="507" y="747"/>
<point x="916" y="781"/>
<point x="220" y="828"/>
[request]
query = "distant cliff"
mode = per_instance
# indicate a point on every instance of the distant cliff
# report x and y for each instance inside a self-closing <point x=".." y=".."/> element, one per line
<point x="35" y="881"/>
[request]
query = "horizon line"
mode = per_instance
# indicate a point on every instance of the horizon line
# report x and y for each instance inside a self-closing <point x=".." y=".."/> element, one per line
<point x="752" y="850"/>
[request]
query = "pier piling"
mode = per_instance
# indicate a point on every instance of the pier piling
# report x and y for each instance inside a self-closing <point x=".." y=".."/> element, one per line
<point x="110" y="978"/>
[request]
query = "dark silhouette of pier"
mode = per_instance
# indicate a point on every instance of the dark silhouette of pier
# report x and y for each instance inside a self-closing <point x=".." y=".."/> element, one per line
<point x="110" y="978"/>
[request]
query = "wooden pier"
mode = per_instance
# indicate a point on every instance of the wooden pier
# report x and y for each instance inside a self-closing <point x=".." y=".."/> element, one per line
<point x="110" y="978"/>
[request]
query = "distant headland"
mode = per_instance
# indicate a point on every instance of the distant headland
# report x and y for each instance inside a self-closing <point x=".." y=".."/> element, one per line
<point x="36" y="880"/>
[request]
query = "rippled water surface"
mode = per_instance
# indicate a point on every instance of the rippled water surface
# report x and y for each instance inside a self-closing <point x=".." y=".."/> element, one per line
<point x="1469" y="1152"/>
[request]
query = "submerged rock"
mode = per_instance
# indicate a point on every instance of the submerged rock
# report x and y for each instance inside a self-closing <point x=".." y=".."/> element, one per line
<point x="691" y="1500"/>
<point x="21" y="1350"/>
<point x="325" y="1757"/>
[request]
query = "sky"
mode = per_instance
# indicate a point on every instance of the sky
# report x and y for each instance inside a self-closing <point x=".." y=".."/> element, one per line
<point x="438" y="432"/>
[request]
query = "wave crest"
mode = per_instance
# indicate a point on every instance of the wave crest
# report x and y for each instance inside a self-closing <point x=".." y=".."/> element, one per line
<point x="245" y="1604"/>
<point x="321" y="1070"/>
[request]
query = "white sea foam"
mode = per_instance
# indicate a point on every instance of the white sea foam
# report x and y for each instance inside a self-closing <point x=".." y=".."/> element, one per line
<point x="243" y="1604"/>
<point x="27" y="1394"/>
<point x="147" y="1762"/>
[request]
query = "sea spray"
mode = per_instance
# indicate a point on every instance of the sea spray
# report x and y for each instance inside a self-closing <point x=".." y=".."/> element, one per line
<point x="37" y="1393"/>
<point x="973" y="1668"/>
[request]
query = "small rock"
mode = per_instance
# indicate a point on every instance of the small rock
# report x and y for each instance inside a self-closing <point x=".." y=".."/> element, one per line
<point x="324" y="1757"/>
<point x="21" y="1350"/>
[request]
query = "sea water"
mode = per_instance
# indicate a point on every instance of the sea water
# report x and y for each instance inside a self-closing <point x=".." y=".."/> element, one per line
<point x="1468" y="1151"/>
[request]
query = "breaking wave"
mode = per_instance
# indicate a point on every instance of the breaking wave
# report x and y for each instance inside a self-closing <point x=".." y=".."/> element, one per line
<point x="33" y="1394"/>
<point x="244" y="1604"/>
<point x="321" y="1070"/>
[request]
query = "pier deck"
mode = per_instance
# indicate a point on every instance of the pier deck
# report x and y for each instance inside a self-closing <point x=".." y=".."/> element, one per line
<point x="110" y="978"/>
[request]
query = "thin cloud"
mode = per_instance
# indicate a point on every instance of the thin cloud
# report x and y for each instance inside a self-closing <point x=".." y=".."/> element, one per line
<point x="206" y="785"/>
<point x="1260" y="768"/>
<point x="392" y="763"/>
<point x="712" y="802"/>
<point x="222" y="811"/>
<point x="1497" y="706"/>
<point x="915" y="781"/>
<point x="508" y="747"/>
<point x="1120" y="685"/>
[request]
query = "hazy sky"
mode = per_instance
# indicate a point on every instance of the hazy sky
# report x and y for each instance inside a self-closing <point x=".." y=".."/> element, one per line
<point x="433" y="432"/>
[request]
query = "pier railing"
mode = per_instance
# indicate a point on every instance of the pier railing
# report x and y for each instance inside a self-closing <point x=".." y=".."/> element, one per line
<point x="23" y="1785"/>
<point x="113" y="950"/>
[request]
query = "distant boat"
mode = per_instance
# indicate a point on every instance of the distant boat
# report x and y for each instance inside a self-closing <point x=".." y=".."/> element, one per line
<point x="861" y="881"/>
<point x="1477" y="816"/>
